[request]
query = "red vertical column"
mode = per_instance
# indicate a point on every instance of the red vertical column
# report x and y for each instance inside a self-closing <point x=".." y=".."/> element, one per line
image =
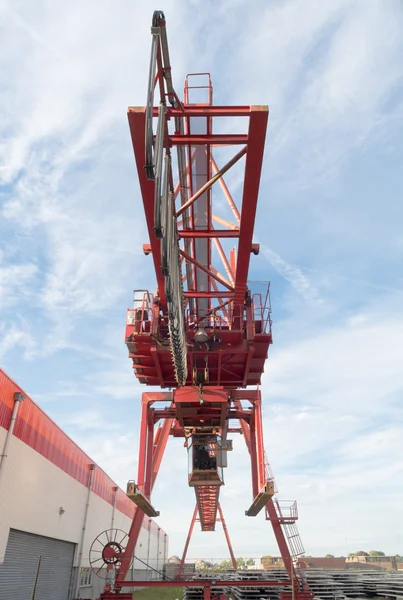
<point x="253" y="453"/>
<point x="185" y="550"/>
<point x="253" y="438"/>
<point x="142" y="444"/>
<point x="149" y="453"/>
<point x="259" y="442"/>
<point x="150" y="457"/>
<point x="224" y="526"/>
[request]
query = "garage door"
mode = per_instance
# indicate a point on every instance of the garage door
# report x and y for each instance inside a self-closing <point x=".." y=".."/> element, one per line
<point x="17" y="573"/>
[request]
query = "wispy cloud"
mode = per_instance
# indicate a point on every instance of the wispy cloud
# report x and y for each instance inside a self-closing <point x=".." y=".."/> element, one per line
<point x="14" y="336"/>
<point x="294" y="275"/>
<point x="15" y="280"/>
<point x="329" y="220"/>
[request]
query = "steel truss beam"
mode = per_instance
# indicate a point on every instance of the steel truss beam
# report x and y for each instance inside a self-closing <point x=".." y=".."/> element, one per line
<point x="151" y="451"/>
<point x="219" y="407"/>
<point x="253" y="149"/>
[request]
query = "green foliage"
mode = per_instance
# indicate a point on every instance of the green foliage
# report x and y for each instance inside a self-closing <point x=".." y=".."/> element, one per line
<point x="159" y="593"/>
<point x="371" y="553"/>
<point x="266" y="561"/>
<point x="329" y="555"/>
<point x="225" y="564"/>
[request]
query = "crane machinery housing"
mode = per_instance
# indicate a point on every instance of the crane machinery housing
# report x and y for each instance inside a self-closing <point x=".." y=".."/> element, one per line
<point x="203" y="336"/>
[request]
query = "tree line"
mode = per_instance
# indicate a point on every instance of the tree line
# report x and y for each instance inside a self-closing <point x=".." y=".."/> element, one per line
<point x="269" y="560"/>
<point x="224" y="565"/>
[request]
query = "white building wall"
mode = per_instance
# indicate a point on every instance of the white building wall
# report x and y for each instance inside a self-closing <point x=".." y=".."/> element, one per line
<point x="32" y="492"/>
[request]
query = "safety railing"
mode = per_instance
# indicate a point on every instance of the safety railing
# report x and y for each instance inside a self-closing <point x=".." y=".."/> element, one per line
<point x="208" y="87"/>
<point x="217" y="319"/>
<point x="269" y="473"/>
<point x="295" y="544"/>
<point x="287" y="515"/>
<point x="287" y="511"/>
<point x="140" y="316"/>
<point x="212" y="320"/>
<point x="261" y="305"/>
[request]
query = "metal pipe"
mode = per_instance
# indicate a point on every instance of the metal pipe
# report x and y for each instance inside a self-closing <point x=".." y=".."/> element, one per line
<point x="220" y="250"/>
<point x="220" y="294"/>
<point x="115" y="489"/>
<point x="227" y="193"/>
<point x="158" y="545"/>
<point x="224" y="310"/>
<point x="36" y="578"/>
<point x="81" y="547"/>
<point x="200" y="139"/>
<point x="224" y="222"/>
<point x="209" y="272"/>
<point x="18" y="398"/>
<point x="148" y="546"/>
<point x="219" y="275"/>
<point x="209" y="183"/>
<point x="208" y="233"/>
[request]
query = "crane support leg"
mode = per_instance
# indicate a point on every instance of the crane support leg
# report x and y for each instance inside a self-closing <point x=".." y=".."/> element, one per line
<point x="224" y="526"/>
<point x="253" y="435"/>
<point x="192" y="524"/>
<point x="185" y="550"/>
<point x="151" y="451"/>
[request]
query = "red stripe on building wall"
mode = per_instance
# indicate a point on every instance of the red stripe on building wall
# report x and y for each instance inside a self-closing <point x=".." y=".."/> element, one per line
<point x="5" y="415"/>
<point x="37" y="430"/>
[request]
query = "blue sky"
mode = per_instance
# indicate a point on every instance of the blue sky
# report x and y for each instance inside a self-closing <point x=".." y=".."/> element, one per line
<point x="329" y="223"/>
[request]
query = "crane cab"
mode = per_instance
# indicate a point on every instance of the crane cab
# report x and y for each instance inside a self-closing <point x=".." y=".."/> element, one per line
<point x="205" y="460"/>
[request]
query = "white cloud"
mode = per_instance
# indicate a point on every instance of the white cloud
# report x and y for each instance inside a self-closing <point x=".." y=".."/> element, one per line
<point x="294" y="275"/>
<point x="333" y="428"/>
<point x="87" y="419"/>
<point x="327" y="72"/>
<point x="16" y="336"/>
<point x="332" y="379"/>
<point x="15" y="280"/>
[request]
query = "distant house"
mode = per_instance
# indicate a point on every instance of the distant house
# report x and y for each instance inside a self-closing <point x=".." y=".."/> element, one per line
<point x="386" y="563"/>
<point x="171" y="567"/>
<point x="174" y="560"/>
<point x="311" y="562"/>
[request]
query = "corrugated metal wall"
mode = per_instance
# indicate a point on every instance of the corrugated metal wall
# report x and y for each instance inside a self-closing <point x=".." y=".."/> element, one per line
<point x="35" y="428"/>
<point x="49" y="468"/>
<point x="17" y="573"/>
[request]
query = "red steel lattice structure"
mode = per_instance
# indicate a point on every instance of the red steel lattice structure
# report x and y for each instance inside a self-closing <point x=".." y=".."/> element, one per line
<point x="203" y="333"/>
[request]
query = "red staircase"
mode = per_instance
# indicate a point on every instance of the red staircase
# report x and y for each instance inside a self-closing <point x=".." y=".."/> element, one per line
<point x="287" y="515"/>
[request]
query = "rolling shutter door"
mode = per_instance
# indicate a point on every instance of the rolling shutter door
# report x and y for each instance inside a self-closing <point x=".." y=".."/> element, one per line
<point x="17" y="573"/>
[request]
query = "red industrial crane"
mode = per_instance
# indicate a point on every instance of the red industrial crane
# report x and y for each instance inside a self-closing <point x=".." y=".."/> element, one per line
<point x="203" y="335"/>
